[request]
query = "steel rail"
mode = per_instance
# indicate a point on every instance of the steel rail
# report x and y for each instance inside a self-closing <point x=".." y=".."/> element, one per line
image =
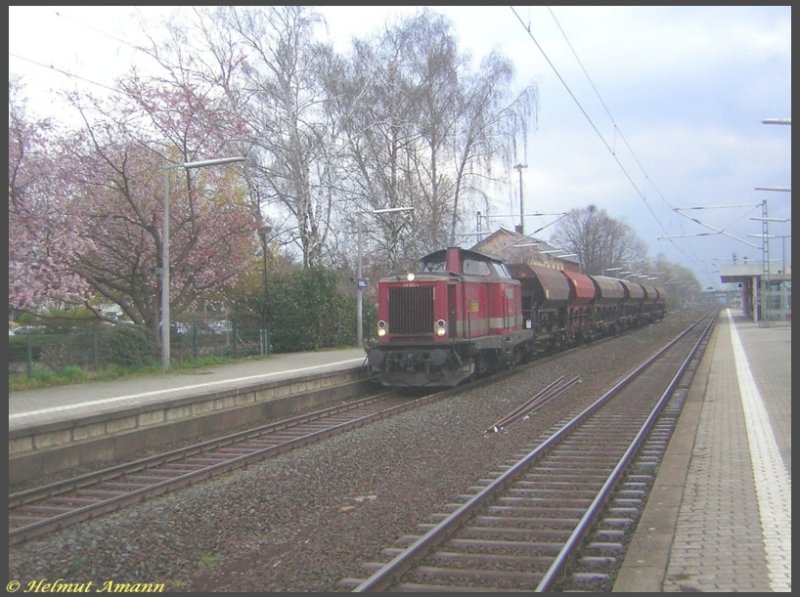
<point x="384" y="577"/>
<point x="582" y="527"/>
<point x="113" y="503"/>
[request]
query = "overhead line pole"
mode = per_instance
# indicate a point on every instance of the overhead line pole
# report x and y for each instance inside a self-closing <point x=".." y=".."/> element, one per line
<point x="519" y="168"/>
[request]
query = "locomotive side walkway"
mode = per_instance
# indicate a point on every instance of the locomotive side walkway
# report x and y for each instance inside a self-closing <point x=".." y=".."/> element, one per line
<point x="719" y="516"/>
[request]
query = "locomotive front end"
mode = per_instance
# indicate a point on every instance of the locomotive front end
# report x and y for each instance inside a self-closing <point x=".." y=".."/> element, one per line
<point x="415" y="345"/>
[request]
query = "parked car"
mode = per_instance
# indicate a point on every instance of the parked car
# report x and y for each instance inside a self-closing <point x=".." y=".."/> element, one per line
<point x="27" y="329"/>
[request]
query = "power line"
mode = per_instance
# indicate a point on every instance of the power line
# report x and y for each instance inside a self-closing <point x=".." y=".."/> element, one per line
<point x="66" y="73"/>
<point x="600" y="135"/>
<point x="63" y="16"/>
<point x="96" y="30"/>
<point x="611" y="118"/>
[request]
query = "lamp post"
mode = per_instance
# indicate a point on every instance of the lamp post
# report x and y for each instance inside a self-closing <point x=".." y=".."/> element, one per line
<point x="263" y="230"/>
<point x="519" y="168"/>
<point x="361" y="284"/>
<point x="165" y="357"/>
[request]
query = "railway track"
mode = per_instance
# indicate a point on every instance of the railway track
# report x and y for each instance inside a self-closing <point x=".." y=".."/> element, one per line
<point x="45" y="509"/>
<point x="42" y="510"/>
<point x="558" y="514"/>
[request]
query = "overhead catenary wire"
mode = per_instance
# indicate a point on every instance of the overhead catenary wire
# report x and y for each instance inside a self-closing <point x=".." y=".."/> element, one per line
<point x="611" y="151"/>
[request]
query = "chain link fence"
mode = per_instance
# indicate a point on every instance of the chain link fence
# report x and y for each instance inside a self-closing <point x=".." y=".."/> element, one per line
<point x="127" y="346"/>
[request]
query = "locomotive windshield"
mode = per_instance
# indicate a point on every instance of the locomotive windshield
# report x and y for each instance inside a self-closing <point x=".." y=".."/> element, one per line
<point x="474" y="267"/>
<point x="433" y="266"/>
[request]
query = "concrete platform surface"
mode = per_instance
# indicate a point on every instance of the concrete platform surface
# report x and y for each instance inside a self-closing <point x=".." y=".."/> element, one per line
<point x="48" y="405"/>
<point x="719" y="517"/>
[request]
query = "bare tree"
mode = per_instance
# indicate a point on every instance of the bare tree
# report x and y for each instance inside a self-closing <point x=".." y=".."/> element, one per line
<point x="423" y="130"/>
<point x="600" y="241"/>
<point x="376" y="107"/>
<point x="280" y="95"/>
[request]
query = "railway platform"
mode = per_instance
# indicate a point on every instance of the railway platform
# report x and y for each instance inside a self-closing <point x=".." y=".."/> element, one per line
<point x="51" y="405"/>
<point x="719" y="516"/>
<point x="60" y="428"/>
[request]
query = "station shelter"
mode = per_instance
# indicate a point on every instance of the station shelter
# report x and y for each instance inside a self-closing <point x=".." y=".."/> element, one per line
<point x="776" y="296"/>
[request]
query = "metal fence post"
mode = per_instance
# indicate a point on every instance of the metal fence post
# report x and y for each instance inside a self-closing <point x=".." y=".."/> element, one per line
<point x="29" y="356"/>
<point x="235" y="335"/>
<point x="95" y="363"/>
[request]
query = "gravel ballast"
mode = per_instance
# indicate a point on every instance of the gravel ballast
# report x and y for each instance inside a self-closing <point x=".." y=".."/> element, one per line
<point x="305" y="520"/>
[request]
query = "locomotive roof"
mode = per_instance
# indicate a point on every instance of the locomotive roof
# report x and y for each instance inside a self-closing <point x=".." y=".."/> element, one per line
<point x="442" y="254"/>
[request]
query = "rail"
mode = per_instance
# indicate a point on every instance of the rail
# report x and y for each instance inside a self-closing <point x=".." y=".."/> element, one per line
<point x="388" y="576"/>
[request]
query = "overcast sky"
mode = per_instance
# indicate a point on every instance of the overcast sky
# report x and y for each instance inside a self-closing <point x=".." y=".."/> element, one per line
<point x="643" y="111"/>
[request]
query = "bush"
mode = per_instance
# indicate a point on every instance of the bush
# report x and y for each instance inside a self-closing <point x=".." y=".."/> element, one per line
<point x="308" y="312"/>
<point x="131" y="347"/>
<point x="65" y="350"/>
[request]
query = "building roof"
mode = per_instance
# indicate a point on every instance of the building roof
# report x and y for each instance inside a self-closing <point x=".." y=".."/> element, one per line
<point x="733" y="273"/>
<point x="513" y="247"/>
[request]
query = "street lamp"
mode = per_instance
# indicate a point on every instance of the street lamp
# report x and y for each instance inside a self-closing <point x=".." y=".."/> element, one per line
<point x="778" y="189"/>
<point x="519" y="168"/>
<point x="361" y="284"/>
<point x="263" y="230"/>
<point x="165" y="357"/>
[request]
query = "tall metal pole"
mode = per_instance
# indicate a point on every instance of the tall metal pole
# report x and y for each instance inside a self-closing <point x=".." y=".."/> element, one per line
<point x="165" y="323"/>
<point x="263" y="231"/>
<point x="519" y="168"/>
<point x="359" y="293"/>
<point x="165" y="356"/>
<point x="783" y="254"/>
<point x="764" y="264"/>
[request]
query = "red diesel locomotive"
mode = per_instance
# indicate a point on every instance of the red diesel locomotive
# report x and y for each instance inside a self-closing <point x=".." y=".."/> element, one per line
<point x="464" y="314"/>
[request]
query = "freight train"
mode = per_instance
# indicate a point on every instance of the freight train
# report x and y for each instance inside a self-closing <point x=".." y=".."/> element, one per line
<point x="464" y="314"/>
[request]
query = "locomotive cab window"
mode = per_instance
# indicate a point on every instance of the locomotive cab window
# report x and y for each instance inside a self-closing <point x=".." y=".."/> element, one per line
<point x="432" y="266"/>
<point x="502" y="271"/>
<point x="476" y="268"/>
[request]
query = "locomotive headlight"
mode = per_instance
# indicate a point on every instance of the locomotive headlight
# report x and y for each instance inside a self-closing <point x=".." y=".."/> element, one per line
<point x="382" y="328"/>
<point x="410" y="276"/>
<point x="440" y="327"/>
